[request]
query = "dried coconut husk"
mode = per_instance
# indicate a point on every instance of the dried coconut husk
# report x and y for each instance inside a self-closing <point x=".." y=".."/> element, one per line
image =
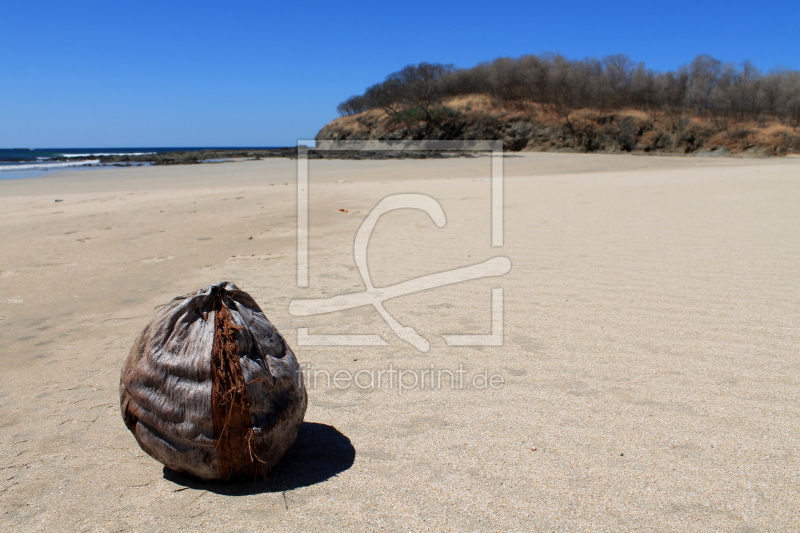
<point x="211" y="389"/>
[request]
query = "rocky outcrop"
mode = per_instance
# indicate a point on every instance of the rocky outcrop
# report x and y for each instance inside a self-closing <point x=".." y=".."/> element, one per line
<point x="222" y="156"/>
<point x="534" y="128"/>
<point x="199" y="156"/>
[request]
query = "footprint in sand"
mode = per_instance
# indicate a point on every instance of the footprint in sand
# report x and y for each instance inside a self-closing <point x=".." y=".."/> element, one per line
<point x="255" y="257"/>
<point x="157" y="259"/>
<point x="12" y="300"/>
<point x="275" y="232"/>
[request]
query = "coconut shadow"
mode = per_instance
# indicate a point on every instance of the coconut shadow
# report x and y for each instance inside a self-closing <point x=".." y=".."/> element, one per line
<point x="319" y="453"/>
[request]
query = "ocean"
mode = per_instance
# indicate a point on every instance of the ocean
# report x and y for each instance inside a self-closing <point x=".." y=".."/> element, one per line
<point x="16" y="163"/>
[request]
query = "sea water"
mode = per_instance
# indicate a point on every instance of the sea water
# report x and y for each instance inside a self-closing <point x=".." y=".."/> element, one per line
<point x="16" y="163"/>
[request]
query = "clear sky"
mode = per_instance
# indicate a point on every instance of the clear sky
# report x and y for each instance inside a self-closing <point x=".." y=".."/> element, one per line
<point x="259" y="73"/>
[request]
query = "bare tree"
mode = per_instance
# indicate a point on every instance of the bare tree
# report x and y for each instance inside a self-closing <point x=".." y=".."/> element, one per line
<point x="619" y="79"/>
<point x="353" y="105"/>
<point x="420" y="87"/>
<point x="705" y="87"/>
<point x="386" y="95"/>
<point x="704" y="73"/>
<point x="790" y="96"/>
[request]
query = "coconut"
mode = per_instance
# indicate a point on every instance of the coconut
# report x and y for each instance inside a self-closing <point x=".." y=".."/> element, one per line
<point x="211" y="389"/>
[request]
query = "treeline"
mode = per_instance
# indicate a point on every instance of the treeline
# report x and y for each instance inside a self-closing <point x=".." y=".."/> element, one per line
<point x="706" y="87"/>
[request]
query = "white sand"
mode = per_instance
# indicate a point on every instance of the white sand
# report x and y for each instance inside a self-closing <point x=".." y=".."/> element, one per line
<point x="652" y="333"/>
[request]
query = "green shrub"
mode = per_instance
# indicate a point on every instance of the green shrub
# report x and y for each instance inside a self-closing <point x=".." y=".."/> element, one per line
<point x="408" y="117"/>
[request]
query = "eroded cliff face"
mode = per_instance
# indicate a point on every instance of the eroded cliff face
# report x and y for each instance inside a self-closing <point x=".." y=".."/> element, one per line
<point x="536" y="128"/>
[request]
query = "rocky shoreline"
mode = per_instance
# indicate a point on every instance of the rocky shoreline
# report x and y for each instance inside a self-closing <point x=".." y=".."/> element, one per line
<point x="198" y="156"/>
<point x="225" y="156"/>
<point x="522" y="129"/>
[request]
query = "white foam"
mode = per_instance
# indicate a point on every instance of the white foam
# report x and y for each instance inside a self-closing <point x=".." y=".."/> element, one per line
<point x="102" y="153"/>
<point x="47" y="166"/>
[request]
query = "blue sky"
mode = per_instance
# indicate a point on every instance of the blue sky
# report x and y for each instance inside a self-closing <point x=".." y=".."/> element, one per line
<point x="247" y="73"/>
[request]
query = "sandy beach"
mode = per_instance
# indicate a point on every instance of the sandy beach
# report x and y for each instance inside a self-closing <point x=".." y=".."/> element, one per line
<point x="648" y="379"/>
